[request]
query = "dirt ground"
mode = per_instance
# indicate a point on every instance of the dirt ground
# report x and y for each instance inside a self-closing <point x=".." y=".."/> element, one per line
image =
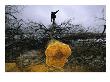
<point x="12" y="67"/>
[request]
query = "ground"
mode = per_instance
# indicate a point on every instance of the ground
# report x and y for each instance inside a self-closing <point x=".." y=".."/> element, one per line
<point x="12" y="67"/>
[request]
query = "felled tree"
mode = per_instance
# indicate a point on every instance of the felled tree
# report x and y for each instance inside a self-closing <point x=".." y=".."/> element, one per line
<point x="56" y="51"/>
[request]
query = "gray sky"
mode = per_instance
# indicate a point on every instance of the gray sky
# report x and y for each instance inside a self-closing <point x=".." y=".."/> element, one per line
<point x="84" y="15"/>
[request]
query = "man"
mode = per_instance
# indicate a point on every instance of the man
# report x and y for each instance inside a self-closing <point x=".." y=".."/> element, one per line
<point x="53" y="16"/>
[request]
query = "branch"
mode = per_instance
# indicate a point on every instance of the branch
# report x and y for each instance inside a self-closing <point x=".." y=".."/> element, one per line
<point x="11" y="15"/>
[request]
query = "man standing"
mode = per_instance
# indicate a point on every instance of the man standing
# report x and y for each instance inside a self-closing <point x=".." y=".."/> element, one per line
<point x="53" y="16"/>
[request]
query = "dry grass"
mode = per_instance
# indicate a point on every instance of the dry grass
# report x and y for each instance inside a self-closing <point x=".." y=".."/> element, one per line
<point x="75" y="69"/>
<point x="11" y="67"/>
<point x="39" y="68"/>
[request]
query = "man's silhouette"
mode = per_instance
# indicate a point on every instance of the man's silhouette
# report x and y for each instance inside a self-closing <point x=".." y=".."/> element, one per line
<point x="53" y="16"/>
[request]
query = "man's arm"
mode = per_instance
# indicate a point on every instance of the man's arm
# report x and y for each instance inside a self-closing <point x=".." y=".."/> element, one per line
<point x="56" y="11"/>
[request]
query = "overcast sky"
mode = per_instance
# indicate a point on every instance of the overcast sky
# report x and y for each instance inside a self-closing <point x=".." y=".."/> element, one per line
<point x="84" y="15"/>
